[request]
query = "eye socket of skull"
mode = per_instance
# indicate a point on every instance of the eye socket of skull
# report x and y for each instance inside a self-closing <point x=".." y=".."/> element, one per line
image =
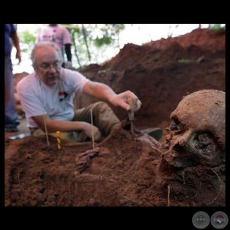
<point x="176" y="125"/>
<point x="204" y="149"/>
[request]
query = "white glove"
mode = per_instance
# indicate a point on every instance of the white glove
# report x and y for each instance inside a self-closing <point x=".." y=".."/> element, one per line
<point x="68" y="64"/>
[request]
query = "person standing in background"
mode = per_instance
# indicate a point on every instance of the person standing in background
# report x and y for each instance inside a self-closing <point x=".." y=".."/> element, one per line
<point x="60" y="36"/>
<point x="11" y="117"/>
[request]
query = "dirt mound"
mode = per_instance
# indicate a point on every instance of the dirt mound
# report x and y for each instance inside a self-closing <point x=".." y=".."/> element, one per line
<point x="121" y="172"/>
<point x="162" y="75"/>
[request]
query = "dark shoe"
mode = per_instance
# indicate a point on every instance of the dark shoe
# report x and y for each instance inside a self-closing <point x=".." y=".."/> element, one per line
<point x="16" y="122"/>
<point x="11" y="129"/>
<point x="9" y="122"/>
<point x="156" y="133"/>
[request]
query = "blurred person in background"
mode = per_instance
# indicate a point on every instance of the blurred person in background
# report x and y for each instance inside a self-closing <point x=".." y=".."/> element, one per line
<point x="11" y="116"/>
<point x="60" y="36"/>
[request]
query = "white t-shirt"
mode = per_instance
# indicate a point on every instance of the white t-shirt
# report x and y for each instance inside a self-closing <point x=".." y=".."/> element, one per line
<point x="57" y="34"/>
<point x="56" y="101"/>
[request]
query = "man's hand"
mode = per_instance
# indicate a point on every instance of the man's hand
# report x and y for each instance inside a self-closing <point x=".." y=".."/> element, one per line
<point x="91" y="131"/>
<point x="18" y="56"/>
<point x="122" y="100"/>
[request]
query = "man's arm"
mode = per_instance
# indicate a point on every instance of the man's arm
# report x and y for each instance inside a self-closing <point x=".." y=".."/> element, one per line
<point x="45" y="123"/>
<point x="105" y="93"/>
<point x="16" y="44"/>
<point x="67" y="43"/>
<point x="68" y="52"/>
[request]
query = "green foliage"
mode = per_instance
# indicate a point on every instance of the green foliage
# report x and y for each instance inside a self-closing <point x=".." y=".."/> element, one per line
<point x="216" y="27"/>
<point x="105" y="40"/>
<point x="91" y="41"/>
<point x="27" y="37"/>
<point x="27" y="40"/>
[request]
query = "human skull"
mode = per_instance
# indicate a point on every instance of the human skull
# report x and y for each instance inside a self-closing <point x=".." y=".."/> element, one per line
<point x="197" y="130"/>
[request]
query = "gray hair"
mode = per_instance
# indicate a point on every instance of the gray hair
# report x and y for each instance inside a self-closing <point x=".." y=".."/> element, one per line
<point x="42" y="44"/>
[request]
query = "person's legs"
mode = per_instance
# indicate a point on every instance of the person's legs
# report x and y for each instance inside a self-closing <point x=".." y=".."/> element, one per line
<point x="103" y="117"/>
<point x="8" y="79"/>
<point x="11" y="116"/>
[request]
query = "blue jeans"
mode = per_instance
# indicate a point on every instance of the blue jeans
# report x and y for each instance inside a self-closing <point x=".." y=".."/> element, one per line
<point x="11" y="116"/>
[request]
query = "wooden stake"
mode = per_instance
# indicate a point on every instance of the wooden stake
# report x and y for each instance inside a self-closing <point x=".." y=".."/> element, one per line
<point x="58" y="139"/>
<point x="92" y="126"/>
<point x="47" y="138"/>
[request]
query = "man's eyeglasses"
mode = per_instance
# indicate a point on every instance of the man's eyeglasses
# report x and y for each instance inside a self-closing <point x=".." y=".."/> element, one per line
<point x="47" y="66"/>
